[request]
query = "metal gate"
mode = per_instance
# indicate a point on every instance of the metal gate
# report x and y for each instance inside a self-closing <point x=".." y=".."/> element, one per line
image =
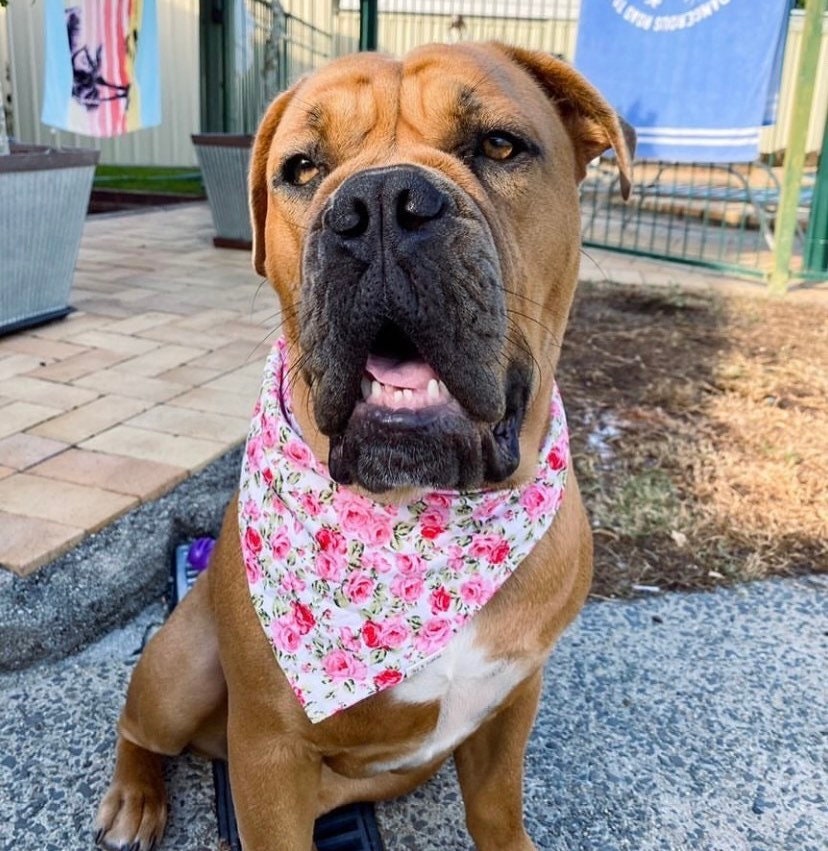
<point x="254" y="49"/>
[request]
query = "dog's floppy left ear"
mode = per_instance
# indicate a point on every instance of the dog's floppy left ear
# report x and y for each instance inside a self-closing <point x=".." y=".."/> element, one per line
<point x="258" y="182"/>
<point x="593" y="124"/>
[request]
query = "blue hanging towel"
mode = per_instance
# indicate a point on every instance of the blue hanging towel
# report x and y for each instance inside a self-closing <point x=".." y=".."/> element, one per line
<point x="696" y="78"/>
<point x="101" y="66"/>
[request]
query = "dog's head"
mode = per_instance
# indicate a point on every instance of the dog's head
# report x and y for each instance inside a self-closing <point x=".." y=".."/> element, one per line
<point x="419" y="221"/>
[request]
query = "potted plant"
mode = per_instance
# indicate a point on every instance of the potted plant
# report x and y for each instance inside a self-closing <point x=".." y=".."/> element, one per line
<point x="224" y="159"/>
<point x="245" y="62"/>
<point x="44" y="194"/>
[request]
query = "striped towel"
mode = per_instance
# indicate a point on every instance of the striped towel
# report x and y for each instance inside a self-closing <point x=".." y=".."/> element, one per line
<point x="101" y="66"/>
<point x="696" y="78"/>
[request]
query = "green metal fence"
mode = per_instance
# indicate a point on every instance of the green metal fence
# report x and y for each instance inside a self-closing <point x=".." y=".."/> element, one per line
<point x="254" y="49"/>
<point x="721" y="216"/>
<point x="716" y="215"/>
<point x="549" y="25"/>
<point x="816" y="242"/>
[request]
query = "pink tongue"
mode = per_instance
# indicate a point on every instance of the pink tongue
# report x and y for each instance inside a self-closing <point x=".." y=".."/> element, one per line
<point x="413" y="375"/>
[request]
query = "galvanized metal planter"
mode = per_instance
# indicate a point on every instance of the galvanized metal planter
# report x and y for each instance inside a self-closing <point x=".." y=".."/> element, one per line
<point x="44" y="195"/>
<point x="224" y="161"/>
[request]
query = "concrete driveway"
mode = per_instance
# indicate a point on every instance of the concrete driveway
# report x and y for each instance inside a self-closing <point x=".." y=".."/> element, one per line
<point x="676" y="722"/>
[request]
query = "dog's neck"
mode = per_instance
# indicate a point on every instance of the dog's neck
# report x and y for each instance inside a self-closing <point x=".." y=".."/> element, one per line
<point x="356" y="595"/>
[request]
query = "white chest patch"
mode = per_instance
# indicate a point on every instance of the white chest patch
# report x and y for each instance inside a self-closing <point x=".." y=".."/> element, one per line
<point x="468" y="684"/>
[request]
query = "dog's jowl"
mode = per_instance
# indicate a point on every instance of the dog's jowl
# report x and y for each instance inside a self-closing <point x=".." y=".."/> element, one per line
<point x="408" y="539"/>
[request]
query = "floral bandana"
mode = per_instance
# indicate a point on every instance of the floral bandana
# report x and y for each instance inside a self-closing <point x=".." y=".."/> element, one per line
<point x="356" y="596"/>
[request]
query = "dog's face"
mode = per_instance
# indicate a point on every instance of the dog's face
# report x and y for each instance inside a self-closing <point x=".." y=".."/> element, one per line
<point x="419" y="221"/>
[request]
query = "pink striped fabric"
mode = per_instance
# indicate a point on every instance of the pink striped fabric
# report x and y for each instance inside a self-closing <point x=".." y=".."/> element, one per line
<point x="102" y="46"/>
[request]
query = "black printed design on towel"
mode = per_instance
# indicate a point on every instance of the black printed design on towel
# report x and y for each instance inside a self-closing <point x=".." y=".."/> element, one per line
<point x="89" y="88"/>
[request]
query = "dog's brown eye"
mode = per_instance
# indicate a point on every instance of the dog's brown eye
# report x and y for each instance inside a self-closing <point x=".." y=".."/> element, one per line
<point x="299" y="170"/>
<point x="497" y="147"/>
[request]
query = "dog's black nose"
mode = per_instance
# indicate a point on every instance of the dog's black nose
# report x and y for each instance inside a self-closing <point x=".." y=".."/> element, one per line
<point x="396" y="201"/>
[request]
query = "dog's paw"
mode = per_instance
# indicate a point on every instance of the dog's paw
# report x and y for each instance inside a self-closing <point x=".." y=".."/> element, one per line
<point x="130" y="818"/>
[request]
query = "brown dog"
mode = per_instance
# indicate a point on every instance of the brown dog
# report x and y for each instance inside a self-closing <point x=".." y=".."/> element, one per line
<point x="430" y="204"/>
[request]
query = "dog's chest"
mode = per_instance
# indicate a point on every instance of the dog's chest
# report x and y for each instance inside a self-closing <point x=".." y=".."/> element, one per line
<point x="469" y="685"/>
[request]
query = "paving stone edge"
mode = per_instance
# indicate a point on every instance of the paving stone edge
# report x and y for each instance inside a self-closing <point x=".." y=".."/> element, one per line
<point x="110" y="576"/>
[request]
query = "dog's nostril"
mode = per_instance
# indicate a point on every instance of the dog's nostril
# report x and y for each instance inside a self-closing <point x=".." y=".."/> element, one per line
<point x="418" y="206"/>
<point x="349" y="217"/>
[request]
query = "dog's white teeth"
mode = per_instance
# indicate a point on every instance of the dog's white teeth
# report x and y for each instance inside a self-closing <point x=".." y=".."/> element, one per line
<point x="388" y="395"/>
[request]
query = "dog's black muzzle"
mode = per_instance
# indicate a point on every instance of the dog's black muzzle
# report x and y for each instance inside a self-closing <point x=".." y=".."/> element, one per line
<point x="401" y="278"/>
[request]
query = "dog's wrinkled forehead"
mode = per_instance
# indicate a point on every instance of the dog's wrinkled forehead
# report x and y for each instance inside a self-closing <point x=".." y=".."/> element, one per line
<point x="369" y="109"/>
<point x="433" y="108"/>
<point x="342" y="105"/>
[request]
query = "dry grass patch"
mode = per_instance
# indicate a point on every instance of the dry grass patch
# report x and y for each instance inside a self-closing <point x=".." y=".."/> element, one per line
<point x="700" y="435"/>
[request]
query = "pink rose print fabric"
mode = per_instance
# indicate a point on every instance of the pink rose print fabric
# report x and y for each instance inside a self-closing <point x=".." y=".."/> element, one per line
<point x="355" y="596"/>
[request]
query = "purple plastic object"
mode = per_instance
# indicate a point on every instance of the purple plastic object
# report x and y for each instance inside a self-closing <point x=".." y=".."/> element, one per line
<point x="199" y="553"/>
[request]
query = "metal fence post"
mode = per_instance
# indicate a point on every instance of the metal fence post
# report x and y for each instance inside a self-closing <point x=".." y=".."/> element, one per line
<point x="214" y="71"/>
<point x="786" y="215"/>
<point x="368" y="24"/>
<point x="816" y="241"/>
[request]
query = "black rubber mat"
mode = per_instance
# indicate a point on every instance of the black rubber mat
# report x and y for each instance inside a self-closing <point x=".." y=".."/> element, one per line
<point x="351" y="828"/>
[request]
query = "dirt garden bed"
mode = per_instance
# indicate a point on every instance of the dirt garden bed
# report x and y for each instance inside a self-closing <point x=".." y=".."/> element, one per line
<point x="700" y="435"/>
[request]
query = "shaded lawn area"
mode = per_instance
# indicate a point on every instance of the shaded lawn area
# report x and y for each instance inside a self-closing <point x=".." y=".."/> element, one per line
<point x="700" y="435"/>
<point x="161" y="179"/>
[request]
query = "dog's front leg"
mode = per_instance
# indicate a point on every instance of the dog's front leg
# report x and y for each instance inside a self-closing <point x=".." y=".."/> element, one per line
<point x="490" y="770"/>
<point x="275" y="782"/>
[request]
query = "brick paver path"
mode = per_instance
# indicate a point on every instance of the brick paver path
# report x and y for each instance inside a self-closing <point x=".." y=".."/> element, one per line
<point x="152" y="378"/>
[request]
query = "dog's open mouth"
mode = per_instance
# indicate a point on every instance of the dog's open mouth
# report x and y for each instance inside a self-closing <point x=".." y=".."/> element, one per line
<point x="408" y="429"/>
<point x="395" y="384"/>
<point x="397" y="378"/>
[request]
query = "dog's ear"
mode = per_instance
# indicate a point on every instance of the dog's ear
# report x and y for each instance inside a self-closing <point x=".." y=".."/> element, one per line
<point x="258" y="182"/>
<point x="593" y="124"/>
